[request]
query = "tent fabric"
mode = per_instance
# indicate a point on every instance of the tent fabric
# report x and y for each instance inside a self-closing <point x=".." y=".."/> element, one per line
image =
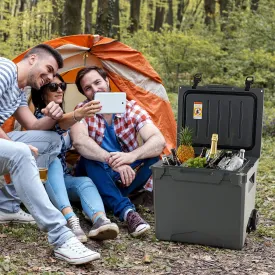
<point x="128" y="70"/>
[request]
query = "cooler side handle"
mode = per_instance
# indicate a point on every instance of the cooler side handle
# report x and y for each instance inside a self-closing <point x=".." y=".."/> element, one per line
<point x="198" y="175"/>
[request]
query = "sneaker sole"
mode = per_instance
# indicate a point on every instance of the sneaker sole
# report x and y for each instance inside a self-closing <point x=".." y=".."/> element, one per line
<point x="18" y="221"/>
<point x="82" y="239"/>
<point x="82" y="260"/>
<point x="141" y="231"/>
<point x="105" y="232"/>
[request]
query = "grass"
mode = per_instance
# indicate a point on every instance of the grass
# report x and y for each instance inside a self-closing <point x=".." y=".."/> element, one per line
<point x="25" y="250"/>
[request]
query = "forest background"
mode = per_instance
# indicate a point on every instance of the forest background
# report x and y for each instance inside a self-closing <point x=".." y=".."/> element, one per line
<point x="226" y="41"/>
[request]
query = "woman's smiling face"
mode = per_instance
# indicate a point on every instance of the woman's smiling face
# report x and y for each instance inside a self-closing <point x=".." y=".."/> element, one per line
<point x="56" y="96"/>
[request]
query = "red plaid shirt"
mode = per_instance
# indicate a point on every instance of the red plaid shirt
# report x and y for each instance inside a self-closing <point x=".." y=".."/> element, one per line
<point x="126" y="127"/>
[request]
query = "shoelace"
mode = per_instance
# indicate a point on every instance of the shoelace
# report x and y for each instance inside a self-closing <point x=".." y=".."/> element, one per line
<point x="134" y="220"/>
<point x="22" y="213"/>
<point x="74" y="222"/>
<point x="76" y="245"/>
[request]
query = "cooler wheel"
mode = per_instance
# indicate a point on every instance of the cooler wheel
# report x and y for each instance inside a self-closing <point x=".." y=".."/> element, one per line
<point x="253" y="221"/>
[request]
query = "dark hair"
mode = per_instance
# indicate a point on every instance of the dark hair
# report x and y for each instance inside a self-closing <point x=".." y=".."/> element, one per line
<point x="43" y="49"/>
<point x="86" y="70"/>
<point x="37" y="96"/>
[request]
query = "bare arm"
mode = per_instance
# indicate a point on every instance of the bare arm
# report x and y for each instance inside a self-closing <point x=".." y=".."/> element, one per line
<point x="85" y="145"/>
<point x="154" y="143"/>
<point x="26" y="118"/>
<point x="89" y="109"/>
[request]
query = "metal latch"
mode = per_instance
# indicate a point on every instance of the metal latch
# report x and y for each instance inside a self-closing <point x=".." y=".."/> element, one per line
<point x="197" y="80"/>
<point x="248" y="82"/>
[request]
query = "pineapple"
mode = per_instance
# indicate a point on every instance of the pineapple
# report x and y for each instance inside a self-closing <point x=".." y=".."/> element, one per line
<point x="185" y="150"/>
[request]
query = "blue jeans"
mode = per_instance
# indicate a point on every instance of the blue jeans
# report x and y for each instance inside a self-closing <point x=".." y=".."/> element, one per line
<point x="114" y="196"/>
<point x="62" y="187"/>
<point x="16" y="158"/>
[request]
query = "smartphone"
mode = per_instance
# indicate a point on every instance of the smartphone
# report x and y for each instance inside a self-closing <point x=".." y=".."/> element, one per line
<point x="111" y="102"/>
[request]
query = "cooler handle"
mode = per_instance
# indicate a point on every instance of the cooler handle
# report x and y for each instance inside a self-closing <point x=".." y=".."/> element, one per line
<point x="193" y="175"/>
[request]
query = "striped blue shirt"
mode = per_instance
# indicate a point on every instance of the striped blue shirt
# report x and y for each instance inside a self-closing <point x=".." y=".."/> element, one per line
<point x="11" y="97"/>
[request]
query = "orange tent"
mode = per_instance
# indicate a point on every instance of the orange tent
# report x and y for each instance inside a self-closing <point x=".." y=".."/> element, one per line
<point x="128" y="71"/>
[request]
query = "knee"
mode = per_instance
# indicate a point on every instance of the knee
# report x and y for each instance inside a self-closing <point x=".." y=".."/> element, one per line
<point x="21" y="150"/>
<point x="84" y="182"/>
<point x="54" y="138"/>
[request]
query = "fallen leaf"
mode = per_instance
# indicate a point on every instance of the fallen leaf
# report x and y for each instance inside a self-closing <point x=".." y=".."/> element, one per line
<point x="207" y="258"/>
<point x="263" y="273"/>
<point x="268" y="244"/>
<point x="3" y="236"/>
<point x="52" y="260"/>
<point x="36" y="268"/>
<point x="69" y="273"/>
<point x="147" y="259"/>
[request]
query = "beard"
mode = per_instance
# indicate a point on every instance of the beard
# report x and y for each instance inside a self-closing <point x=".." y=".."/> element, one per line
<point x="108" y="89"/>
<point x="31" y="79"/>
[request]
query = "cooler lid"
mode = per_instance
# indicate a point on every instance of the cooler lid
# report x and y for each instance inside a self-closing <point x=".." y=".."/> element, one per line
<point x="233" y="113"/>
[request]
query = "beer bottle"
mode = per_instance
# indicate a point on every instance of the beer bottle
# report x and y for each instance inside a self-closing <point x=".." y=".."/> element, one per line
<point x="203" y="152"/>
<point x="175" y="157"/>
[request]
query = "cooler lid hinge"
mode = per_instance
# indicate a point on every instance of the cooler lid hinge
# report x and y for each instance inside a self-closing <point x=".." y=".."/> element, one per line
<point x="248" y="82"/>
<point x="197" y="80"/>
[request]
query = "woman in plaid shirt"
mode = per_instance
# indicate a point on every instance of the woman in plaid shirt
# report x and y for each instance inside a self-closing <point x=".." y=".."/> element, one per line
<point x="61" y="185"/>
<point x="111" y="156"/>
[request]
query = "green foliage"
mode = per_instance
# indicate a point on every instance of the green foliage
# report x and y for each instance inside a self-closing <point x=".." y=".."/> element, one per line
<point x="244" y="48"/>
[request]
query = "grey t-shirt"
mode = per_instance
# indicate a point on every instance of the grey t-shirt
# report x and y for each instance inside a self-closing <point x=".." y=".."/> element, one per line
<point x="11" y="97"/>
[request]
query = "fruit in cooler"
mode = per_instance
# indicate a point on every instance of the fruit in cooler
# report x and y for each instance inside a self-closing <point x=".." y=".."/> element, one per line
<point x="185" y="150"/>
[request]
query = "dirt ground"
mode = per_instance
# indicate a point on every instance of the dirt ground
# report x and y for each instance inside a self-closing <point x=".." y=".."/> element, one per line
<point x="24" y="250"/>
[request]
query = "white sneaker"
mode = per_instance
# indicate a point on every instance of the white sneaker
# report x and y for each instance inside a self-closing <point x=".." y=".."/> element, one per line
<point x="18" y="217"/>
<point x="74" y="252"/>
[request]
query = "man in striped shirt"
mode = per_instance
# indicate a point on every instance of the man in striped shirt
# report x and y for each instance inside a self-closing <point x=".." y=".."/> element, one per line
<point x="37" y="68"/>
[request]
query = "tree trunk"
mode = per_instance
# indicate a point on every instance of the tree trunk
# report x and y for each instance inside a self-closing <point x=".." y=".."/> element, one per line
<point x="254" y="5"/>
<point x="57" y="19"/>
<point x="170" y="17"/>
<point x="6" y="8"/>
<point x="160" y="10"/>
<point x="224" y="6"/>
<point x="33" y="3"/>
<point x="72" y="17"/>
<point x="116" y="26"/>
<point x="209" y="8"/>
<point x="22" y="5"/>
<point x="180" y="11"/>
<point x="134" y="15"/>
<point x="150" y="4"/>
<point x="224" y="9"/>
<point x="241" y="4"/>
<point x="105" y="17"/>
<point x="88" y="16"/>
